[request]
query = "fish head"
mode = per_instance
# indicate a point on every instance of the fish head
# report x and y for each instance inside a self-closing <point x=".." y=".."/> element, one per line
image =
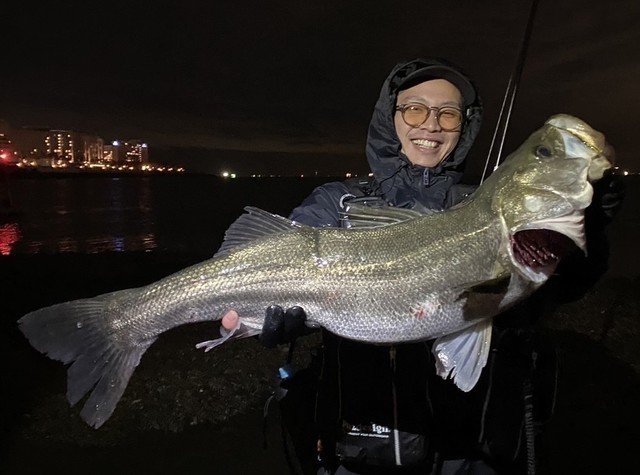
<point x="547" y="182"/>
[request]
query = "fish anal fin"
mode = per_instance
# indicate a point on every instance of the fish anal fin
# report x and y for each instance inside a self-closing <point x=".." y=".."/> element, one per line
<point x="462" y="355"/>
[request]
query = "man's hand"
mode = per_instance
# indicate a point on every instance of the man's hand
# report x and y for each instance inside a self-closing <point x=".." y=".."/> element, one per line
<point x="280" y="326"/>
<point x="541" y="247"/>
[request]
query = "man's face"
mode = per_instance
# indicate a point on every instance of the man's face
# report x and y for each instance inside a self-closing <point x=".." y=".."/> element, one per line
<point x="428" y="145"/>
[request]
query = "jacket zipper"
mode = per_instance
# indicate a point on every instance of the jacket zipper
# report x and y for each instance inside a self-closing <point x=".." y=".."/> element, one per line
<point x="396" y="433"/>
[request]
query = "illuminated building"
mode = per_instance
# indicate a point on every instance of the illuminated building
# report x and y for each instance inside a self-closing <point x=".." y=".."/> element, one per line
<point x="71" y="148"/>
<point x="132" y="153"/>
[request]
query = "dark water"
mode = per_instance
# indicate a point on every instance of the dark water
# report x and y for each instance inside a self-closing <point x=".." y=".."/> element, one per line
<point x="134" y="213"/>
<point x="182" y="213"/>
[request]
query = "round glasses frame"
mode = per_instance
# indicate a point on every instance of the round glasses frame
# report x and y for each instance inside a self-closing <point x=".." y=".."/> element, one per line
<point x="402" y="108"/>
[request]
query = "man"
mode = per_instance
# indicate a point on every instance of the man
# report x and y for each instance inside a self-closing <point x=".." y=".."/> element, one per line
<point x="382" y="409"/>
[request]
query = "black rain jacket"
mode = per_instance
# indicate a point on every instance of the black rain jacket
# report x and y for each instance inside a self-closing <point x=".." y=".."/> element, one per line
<point x="395" y="387"/>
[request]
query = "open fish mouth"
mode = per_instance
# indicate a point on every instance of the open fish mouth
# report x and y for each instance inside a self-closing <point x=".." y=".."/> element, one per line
<point x="570" y="226"/>
<point x="540" y="249"/>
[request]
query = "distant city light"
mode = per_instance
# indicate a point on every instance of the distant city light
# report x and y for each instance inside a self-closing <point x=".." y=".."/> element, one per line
<point x="622" y="171"/>
<point x="71" y="150"/>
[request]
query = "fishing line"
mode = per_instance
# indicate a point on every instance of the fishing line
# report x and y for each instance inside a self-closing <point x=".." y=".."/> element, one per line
<point x="510" y="94"/>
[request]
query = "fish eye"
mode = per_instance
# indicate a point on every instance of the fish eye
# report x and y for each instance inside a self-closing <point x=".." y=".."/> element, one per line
<point x="542" y="152"/>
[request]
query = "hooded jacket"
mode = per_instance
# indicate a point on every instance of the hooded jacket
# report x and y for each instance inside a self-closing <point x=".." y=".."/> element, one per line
<point x="399" y="182"/>
<point x="385" y="387"/>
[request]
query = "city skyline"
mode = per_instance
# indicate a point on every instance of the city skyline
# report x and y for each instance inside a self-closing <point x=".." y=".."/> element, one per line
<point x="292" y="85"/>
<point x="29" y="147"/>
<point x="46" y="147"/>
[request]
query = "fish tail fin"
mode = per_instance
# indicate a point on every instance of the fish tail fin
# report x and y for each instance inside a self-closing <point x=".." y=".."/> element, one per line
<point x="76" y="333"/>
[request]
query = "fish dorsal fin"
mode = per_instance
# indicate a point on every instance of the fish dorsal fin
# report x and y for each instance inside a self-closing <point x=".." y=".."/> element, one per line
<point x="361" y="216"/>
<point x="255" y="223"/>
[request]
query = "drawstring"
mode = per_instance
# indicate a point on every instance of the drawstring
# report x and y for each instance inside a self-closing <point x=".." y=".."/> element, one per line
<point x="378" y="188"/>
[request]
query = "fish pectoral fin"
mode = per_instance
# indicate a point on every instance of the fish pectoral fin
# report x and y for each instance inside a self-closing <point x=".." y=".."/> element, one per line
<point x="240" y="331"/>
<point x="498" y="285"/>
<point x="463" y="355"/>
<point x="484" y="299"/>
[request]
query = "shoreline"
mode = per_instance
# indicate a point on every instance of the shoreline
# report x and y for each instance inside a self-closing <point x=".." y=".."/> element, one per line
<point x="15" y="172"/>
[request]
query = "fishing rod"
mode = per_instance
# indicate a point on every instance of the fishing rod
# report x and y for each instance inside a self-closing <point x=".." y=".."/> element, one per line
<point x="510" y="94"/>
<point x="501" y="128"/>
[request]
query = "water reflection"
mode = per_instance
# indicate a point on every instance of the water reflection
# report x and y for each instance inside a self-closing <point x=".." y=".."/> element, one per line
<point x="9" y="235"/>
<point x="81" y="216"/>
<point x="12" y="242"/>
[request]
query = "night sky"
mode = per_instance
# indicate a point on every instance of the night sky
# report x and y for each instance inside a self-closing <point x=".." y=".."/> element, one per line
<point x="289" y="86"/>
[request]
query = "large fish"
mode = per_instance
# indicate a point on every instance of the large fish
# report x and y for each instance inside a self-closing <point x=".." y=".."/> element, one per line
<point x="409" y="277"/>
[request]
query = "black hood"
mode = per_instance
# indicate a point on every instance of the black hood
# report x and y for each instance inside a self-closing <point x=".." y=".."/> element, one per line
<point x="401" y="182"/>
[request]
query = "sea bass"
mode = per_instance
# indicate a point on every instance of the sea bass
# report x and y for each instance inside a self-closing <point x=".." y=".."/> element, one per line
<point x="399" y="277"/>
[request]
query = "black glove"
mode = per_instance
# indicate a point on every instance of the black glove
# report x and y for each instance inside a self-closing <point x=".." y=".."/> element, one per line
<point x="609" y="193"/>
<point x="283" y="326"/>
<point x="541" y="247"/>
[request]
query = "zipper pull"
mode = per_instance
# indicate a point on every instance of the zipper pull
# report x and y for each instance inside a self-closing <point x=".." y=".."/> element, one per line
<point x="426" y="177"/>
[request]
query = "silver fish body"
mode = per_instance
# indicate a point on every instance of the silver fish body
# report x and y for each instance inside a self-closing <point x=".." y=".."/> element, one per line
<point x="417" y="277"/>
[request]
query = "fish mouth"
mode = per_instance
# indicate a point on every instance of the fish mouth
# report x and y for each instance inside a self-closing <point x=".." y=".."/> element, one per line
<point x="539" y="248"/>
<point x="545" y="242"/>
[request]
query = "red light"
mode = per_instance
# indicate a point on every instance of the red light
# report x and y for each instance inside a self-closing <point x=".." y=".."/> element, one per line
<point x="9" y="235"/>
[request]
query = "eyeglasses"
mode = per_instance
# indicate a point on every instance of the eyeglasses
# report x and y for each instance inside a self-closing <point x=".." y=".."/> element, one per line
<point x="414" y="115"/>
